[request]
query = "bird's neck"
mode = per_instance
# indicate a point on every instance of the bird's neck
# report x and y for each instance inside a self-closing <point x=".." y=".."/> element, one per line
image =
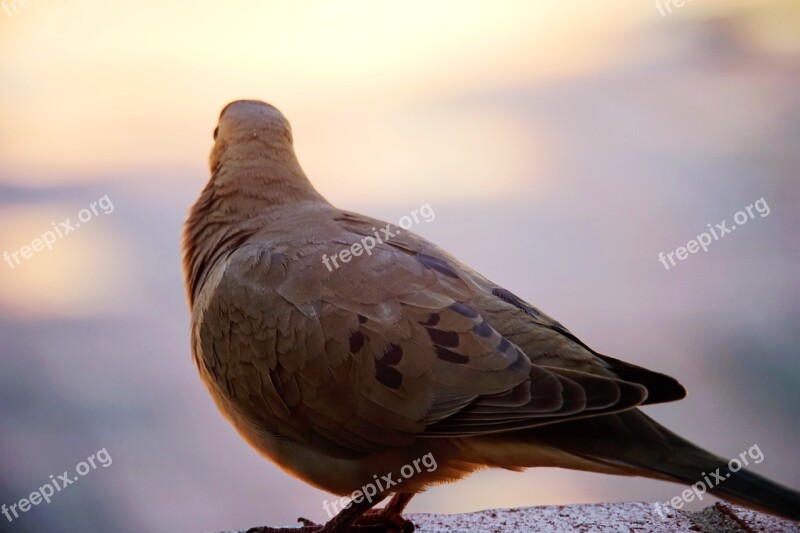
<point x="239" y="200"/>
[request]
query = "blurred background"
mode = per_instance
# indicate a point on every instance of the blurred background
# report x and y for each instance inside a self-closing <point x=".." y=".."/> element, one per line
<point x="581" y="138"/>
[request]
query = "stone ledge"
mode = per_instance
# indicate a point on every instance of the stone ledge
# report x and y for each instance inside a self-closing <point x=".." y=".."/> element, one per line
<point x="604" y="517"/>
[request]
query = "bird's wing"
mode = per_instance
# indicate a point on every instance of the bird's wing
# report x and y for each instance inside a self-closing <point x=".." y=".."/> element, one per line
<point x="396" y="344"/>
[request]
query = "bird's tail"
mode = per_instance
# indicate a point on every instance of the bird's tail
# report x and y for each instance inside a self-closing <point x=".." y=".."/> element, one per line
<point x="705" y="471"/>
<point x="636" y="444"/>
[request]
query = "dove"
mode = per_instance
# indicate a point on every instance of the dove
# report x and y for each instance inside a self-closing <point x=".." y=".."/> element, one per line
<point x="341" y="375"/>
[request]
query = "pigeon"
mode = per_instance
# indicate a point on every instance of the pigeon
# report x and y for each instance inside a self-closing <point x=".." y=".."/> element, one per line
<point x="349" y="377"/>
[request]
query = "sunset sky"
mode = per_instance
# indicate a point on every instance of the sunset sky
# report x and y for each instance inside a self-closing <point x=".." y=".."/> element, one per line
<point x="93" y="89"/>
<point x="385" y="101"/>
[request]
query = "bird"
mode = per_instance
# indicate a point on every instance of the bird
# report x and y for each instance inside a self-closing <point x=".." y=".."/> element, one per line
<point x="341" y="375"/>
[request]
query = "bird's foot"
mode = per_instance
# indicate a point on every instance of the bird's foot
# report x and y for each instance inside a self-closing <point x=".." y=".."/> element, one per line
<point x="371" y="522"/>
<point x="386" y="527"/>
<point x="307" y="527"/>
<point x="379" y="520"/>
<point x="357" y="518"/>
<point x="304" y="529"/>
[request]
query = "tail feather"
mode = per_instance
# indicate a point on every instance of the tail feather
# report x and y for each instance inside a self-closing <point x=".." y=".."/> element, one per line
<point x="727" y="479"/>
<point x="635" y="444"/>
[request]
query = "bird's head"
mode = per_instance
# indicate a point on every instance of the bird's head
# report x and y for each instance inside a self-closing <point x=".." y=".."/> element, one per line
<point x="254" y="172"/>
<point x="249" y="130"/>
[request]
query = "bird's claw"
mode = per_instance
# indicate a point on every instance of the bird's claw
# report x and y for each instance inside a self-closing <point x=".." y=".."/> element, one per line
<point x="388" y="523"/>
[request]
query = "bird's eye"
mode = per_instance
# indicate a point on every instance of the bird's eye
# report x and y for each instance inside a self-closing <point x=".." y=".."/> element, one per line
<point x="216" y="132"/>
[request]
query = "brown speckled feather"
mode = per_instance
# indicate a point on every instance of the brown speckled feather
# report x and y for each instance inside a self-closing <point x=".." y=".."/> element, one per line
<point x="386" y="348"/>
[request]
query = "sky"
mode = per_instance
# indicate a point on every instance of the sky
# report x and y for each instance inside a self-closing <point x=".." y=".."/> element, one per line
<point x="75" y="71"/>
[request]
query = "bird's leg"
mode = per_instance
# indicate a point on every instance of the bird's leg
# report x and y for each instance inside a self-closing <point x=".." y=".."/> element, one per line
<point x="343" y="522"/>
<point x="347" y="519"/>
<point x="390" y="517"/>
